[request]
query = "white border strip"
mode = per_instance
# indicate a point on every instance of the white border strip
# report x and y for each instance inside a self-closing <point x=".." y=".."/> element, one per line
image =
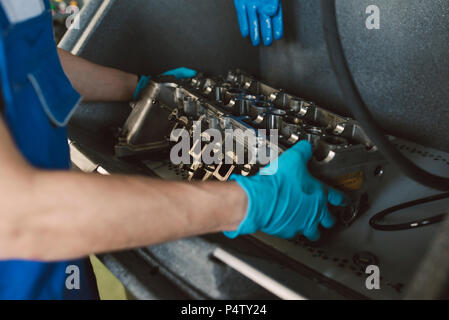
<point x="88" y="30"/>
<point x="255" y="275"/>
<point x="47" y="108"/>
<point x="81" y="161"/>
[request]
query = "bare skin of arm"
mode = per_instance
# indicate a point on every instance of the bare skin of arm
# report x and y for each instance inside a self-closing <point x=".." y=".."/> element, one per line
<point x="95" y="82"/>
<point x="51" y="216"/>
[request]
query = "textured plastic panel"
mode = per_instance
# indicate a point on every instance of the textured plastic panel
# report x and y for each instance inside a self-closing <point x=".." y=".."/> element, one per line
<point x="149" y="37"/>
<point x="401" y="69"/>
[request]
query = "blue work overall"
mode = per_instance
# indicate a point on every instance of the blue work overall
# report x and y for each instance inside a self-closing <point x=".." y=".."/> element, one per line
<point x="39" y="100"/>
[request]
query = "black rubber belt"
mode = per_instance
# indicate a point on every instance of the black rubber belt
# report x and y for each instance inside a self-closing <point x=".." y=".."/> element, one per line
<point x="374" y="221"/>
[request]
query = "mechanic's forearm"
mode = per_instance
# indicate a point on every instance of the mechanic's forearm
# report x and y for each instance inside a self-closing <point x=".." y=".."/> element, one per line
<point x="75" y="214"/>
<point x="95" y="82"/>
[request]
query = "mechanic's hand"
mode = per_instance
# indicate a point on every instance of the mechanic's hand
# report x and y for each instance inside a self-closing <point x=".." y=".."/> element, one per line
<point x="264" y="13"/>
<point x="179" y="73"/>
<point x="289" y="202"/>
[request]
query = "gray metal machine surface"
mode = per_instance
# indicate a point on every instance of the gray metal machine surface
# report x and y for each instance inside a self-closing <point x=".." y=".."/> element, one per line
<point x="408" y="93"/>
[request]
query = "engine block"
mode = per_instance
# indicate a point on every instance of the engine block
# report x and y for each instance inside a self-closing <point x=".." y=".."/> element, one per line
<point x="254" y="117"/>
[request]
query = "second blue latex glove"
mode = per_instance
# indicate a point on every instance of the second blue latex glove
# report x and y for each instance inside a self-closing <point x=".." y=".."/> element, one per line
<point x="288" y="202"/>
<point x="179" y="73"/>
<point x="260" y="18"/>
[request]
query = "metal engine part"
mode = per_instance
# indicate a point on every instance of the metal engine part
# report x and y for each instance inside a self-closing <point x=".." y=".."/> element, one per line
<point x="344" y="157"/>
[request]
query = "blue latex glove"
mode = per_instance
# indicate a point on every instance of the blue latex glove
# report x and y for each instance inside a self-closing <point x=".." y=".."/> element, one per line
<point x="288" y="202"/>
<point x="179" y="73"/>
<point x="265" y="15"/>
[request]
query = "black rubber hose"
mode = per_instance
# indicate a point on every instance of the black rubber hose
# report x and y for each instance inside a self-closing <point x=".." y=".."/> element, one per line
<point x="359" y="110"/>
